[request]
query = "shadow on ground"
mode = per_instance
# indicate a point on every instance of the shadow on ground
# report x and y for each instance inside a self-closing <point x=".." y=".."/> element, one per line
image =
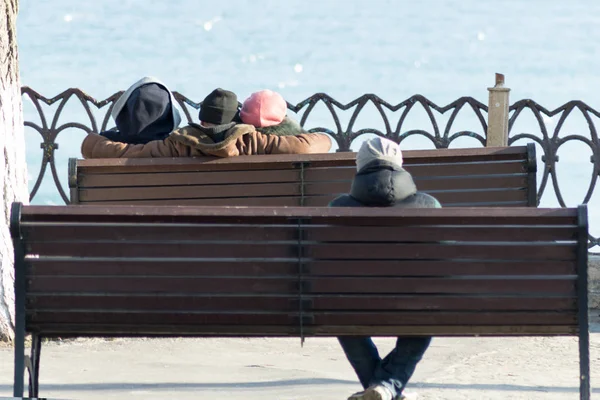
<point x="289" y="382"/>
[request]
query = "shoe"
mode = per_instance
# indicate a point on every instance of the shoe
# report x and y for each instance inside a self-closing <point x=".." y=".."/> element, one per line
<point x="377" y="392"/>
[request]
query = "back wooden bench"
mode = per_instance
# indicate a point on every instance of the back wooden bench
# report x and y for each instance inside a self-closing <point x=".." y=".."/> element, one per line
<point x="457" y="177"/>
<point x="256" y="271"/>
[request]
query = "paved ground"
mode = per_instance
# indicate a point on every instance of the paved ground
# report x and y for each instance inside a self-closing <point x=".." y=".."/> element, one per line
<point x="252" y="369"/>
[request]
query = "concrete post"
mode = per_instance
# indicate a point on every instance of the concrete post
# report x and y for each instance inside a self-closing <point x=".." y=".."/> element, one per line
<point x="497" y="131"/>
<point x="13" y="170"/>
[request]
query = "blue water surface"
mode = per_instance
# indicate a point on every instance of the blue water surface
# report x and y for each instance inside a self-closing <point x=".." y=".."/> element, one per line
<point x="441" y="49"/>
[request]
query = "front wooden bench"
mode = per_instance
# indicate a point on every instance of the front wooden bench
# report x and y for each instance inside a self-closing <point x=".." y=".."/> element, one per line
<point x="254" y="271"/>
<point x="457" y="177"/>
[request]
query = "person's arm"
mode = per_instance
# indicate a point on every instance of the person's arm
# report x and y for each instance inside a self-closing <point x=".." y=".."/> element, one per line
<point x="96" y="146"/>
<point x="306" y="143"/>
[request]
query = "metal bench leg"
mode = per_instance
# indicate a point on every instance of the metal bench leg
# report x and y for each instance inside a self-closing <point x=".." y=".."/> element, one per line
<point x="584" y="364"/>
<point x="19" y="374"/>
<point x="20" y="285"/>
<point x="34" y="365"/>
<point x="582" y="297"/>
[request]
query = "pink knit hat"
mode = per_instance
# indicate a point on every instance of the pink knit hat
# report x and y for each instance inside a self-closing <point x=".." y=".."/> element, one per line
<point x="263" y="108"/>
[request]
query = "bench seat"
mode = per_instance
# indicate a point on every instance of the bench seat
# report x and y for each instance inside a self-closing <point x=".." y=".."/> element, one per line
<point x="297" y="271"/>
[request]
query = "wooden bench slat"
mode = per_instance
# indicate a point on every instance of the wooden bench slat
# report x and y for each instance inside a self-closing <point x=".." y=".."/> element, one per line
<point x="231" y="233"/>
<point x="439" y="233"/>
<point x="467" y="168"/>
<point x="272" y="201"/>
<point x="416" y="251"/>
<point x="395" y="318"/>
<point x="92" y="180"/>
<point x="477" y="172"/>
<point x="288" y="285"/>
<point x="39" y="302"/>
<point x="419" y="171"/>
<point x="449" y="303"/>
<point x="163" y="285"/>
<point x="447" y="190"/>
<point x="441" y="285"/>
<point x="286" y="201"/>
<point x="332" y="251"/>
<point x="159" y="318"/>
<point x="399" y="318"/>
<point x="183" y="192"/>
<point x="174" y="232"/>
<point x="271" y="161"/>
<point x="436" y="268"/>
<point x="442" y="330"/>
<point x="432" y="185"/>
<point x="342" y="216"/>
<point x="125" y="330"/>
<point x="177" y="250"/>
<point x="110" y="266"/>
<point x="477" y="196"/>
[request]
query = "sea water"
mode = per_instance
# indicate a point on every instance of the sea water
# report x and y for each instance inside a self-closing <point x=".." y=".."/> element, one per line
<point x="441" y="49"/>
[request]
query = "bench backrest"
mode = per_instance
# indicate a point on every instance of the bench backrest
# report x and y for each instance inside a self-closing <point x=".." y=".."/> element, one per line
<point x="457" y="177"/>
<point x="91" y="270"/>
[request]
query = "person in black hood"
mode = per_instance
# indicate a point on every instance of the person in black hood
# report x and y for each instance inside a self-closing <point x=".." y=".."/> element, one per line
<point x="145" y="112"/>
<point x="382" y="182"/>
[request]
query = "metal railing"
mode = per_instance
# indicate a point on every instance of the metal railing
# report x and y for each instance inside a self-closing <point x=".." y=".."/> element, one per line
<point x="344" y="134"/>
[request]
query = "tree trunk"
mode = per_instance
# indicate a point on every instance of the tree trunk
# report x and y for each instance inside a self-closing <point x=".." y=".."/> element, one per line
<point x="13" y="173"/>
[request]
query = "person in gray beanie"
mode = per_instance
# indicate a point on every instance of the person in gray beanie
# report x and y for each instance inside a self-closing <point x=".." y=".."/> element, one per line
<point x="381" y="181"/>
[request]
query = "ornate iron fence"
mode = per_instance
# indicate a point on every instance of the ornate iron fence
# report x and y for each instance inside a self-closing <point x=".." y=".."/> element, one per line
<point x="345" y="133"/>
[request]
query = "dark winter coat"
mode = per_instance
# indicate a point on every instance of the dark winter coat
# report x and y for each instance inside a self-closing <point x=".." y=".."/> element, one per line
<point x="384" y="184"/>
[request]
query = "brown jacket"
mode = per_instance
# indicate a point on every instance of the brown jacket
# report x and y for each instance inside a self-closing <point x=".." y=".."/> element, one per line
<point x="191" y="141"/>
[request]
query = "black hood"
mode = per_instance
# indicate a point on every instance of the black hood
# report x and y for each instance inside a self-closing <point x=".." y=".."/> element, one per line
<point x="382" y="184"/>
<point x="146" y="114"/>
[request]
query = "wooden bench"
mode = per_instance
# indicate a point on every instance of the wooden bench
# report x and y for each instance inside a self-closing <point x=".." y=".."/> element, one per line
<point x="457" y="177"/>
<point x="257" y="271"/>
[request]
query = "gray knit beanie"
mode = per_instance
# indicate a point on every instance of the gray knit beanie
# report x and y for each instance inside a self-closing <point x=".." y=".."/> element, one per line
<point x="378" y="149"/>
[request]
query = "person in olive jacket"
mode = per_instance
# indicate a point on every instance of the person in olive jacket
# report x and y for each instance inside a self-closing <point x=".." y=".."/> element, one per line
<point x="382" y="182"/>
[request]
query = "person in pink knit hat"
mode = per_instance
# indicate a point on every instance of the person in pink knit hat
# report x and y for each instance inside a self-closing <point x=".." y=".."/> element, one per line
<point x="266" y="110"/>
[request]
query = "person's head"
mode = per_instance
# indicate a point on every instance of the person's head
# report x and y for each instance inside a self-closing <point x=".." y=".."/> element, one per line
<point x="263" y="109"/>
<point x="145" y="112"/>
<point x="378" y="149"/>
<point x="218" y="108"/>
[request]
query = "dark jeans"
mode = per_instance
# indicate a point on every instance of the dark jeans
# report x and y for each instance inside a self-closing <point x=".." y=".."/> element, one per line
<point x="394" y="370"/>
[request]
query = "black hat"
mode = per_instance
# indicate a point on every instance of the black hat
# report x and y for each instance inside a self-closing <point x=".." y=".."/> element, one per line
<point x="219" y="107"/>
